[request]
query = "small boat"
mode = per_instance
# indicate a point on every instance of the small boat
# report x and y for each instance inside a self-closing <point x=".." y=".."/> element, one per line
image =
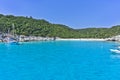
<point x="115" y="51"/>
<point x="11" y="40"/>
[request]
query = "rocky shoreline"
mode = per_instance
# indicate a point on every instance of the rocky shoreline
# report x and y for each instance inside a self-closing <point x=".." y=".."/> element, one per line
<point x="23" y="38"/>
<point x="114" y="38"/>
<point x="34" y="38"/>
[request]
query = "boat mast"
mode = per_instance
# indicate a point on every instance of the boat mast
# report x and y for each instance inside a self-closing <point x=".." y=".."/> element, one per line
<point x="8" y="32"/>
<point x="13" y="28"/>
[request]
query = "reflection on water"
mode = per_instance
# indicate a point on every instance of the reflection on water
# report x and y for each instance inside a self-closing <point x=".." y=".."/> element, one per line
<point x="115" y="56"/>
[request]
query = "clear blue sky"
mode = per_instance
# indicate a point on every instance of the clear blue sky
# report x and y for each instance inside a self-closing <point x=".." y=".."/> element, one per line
<point x="74" y="13"/>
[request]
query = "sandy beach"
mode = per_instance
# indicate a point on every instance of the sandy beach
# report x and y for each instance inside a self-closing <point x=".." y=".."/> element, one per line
<point x="81" y="39"/>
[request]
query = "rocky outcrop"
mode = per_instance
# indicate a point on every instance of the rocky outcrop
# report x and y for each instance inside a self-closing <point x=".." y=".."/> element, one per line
<point x="23" y="38"/>
<point x="114" y="38"/>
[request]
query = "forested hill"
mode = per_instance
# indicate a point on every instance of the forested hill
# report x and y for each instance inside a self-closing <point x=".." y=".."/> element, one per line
<point x="39" y="27"/>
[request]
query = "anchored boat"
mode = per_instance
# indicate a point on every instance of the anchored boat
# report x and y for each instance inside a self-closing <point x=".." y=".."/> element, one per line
<point x="115" y="51"/>
<point x="10" y="38"/>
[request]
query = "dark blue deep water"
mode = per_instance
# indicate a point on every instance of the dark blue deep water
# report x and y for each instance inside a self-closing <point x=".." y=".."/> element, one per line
<point x="59" y="60"/>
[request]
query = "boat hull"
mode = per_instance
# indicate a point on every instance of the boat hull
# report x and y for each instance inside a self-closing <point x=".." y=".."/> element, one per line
<point x="115" y="51"/>
<point x="13" y="43"/>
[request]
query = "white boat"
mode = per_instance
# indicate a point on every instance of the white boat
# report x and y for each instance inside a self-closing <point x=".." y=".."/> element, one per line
<point x="10" y="39"/>
<point x="115" y="51"/>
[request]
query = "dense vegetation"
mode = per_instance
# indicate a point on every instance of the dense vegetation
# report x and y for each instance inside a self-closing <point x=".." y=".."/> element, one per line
<point x="35" y="27"/>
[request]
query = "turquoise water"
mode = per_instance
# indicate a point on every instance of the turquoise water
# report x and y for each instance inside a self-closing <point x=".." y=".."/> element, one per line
<point x="60" y="60"/>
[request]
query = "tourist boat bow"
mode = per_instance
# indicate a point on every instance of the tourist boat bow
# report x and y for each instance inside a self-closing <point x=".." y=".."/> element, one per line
<point x="115" y="51"/>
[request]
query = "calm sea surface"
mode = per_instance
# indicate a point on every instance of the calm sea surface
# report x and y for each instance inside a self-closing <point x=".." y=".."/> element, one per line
<point x="59" y="60"/>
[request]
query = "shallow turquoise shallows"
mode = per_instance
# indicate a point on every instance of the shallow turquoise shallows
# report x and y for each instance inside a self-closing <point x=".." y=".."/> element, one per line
<point x="59" y="60"/>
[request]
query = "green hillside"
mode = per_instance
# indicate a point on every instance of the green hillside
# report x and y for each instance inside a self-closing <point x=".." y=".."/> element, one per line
<point x="40" y="27"/>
